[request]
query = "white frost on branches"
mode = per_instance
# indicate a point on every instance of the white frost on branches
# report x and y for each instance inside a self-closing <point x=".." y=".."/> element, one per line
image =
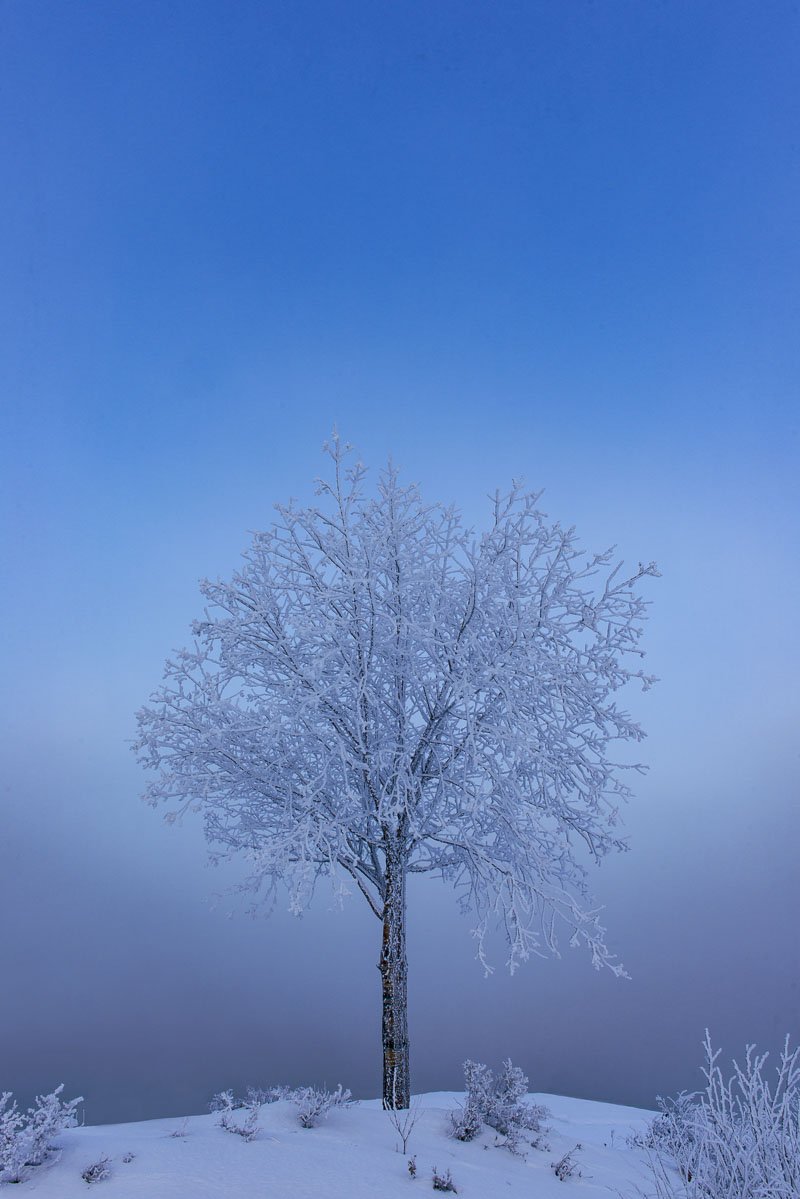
<point x="500" y="1103"/>
<point x="378" y="682"/>
<point x="26" y="1137"/>
<point x="225" y="1105"/>
<point x="736" y="1139"/>
<point x="314" y="1103"/>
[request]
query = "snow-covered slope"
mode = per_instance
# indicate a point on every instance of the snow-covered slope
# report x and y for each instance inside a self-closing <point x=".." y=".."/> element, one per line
<point x="355" y="1154"/>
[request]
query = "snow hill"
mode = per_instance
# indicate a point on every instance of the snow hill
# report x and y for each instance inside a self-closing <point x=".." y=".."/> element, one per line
<point x="354" y="1154"/>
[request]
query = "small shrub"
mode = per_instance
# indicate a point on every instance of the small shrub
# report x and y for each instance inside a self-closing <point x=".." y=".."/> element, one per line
<point x="274" y="1094"/>
<point x="129" y="1157"/>
<point x="412" y="1166"/>
<point x="26" y="1139"/>
<point x="97" y="1171"/>
<point x="246" y="1128"/>
<point x="254" y="1096"/>
<point x="224" y="1101"/>
<point x="443" y="1182"/>
<point x="673" y="1133"/>
<point x="468" y="1120"/>
<point x="314" y="1103"/>
<point x="12" y="1147"/>
<point x="565" y="1167"/>
<point x="498" y="1103"/>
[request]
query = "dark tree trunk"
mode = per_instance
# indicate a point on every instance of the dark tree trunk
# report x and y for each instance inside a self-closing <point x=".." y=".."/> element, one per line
<point x="394" y="972"/>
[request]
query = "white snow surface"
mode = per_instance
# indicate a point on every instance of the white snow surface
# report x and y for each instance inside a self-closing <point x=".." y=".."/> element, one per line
<point x="355" y="1154"/>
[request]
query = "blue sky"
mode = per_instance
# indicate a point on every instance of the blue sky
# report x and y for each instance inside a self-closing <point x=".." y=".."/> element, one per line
<point x="550" y="239"/>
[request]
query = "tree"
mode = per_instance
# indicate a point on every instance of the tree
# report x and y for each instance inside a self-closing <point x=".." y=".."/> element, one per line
<point x="378" y="692"/>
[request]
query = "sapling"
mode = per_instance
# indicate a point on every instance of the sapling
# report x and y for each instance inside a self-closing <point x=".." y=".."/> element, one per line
<point x="403" y="1120"/>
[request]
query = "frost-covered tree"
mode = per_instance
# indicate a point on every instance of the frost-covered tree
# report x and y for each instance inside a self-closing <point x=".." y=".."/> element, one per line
<point x="379" y="692"/>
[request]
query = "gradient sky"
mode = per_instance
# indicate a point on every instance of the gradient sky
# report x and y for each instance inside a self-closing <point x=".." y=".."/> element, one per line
<point x="557" y="239"/>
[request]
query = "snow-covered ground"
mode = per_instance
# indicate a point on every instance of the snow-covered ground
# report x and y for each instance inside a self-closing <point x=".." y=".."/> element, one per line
<point x="354" y="1154"/>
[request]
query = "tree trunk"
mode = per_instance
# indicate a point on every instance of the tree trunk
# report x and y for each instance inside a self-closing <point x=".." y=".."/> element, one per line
<point x="394" y="972"/>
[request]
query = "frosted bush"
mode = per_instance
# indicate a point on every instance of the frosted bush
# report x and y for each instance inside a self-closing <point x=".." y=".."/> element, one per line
<point x="673" y="1133"/>
<point x="225" y="1100"/>
<point x="270" y="1095"/>
<point x="498" y="1103"/>
<point x="26" y="1138"/>
<point x="566" y="1166"/>
<point x="98" y="1171"/>
<point x="738" y="1139"/>
<point x="274" y="1094"/>
<point x="467" y="1121"/>
<point x="12" y="1148"/>
<point x="245" y="1126"/>
<point x="314" y="1103"/>
<point x="443" y="1182"/>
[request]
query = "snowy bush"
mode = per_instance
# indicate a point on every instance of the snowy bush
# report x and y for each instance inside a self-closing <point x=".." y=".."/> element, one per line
<point x="226" y="1105"/>
<point x="672" y="1133"/>
<point x="566" y="1166"/>
<point x="467" y="1121"/>
<point x="314" y="1103"/>
<point x="26" y="1138"/>
<point x="271" y="1095"/>
<point x="498" y="1103"/>
<point x="738" y="1139"/>
<point x="443" y="1182"/>
<point x="97" y="1171"/>
<point x="12" y="1149"/>
<point x="225" y="1101"/>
